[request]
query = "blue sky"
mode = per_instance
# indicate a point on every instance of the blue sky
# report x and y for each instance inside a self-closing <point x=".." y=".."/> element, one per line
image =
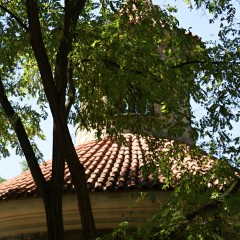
<point x="198" y="21"/>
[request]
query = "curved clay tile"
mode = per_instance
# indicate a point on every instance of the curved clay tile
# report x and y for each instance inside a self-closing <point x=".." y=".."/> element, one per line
<point x="108" y="167"/>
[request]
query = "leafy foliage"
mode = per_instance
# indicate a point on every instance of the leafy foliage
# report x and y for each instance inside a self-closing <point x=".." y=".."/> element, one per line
<point x="124" y="68"/>
<point x="133" y="68"/>
<point x="205" y="202"/>
<point x="2" y="180"/>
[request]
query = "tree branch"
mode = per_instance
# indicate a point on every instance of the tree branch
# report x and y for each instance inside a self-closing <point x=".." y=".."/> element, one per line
<point x="20" y="22"/>
<point x="78" y="6"/>
<point x="64" y="138"/>
<point x="113" y="65"/>
<point x="61" y="64"/>
<point x="199" y="61"/>
<point x="36" y="41"/>
<point x="210" y="207"/>
<point x="71" y="89"/>
<point x="76" y="168"/>
<point x="16" y="122"/>
<point x="64" y="71"/>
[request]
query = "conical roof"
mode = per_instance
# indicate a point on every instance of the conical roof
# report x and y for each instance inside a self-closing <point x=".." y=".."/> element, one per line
<point x="108" y="167"/>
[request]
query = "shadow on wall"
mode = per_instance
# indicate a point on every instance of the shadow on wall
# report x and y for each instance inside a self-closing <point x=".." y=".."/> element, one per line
<point x="69" y="235"/>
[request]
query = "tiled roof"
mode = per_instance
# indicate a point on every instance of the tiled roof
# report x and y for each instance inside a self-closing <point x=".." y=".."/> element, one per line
<point x="108" y="166"/>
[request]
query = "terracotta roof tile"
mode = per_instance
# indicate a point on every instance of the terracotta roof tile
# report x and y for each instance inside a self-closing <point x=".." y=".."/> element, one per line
<point x="108" y="167"/>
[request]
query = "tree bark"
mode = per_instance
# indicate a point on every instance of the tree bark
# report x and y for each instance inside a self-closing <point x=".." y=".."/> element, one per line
<point x="79" y="180"/>
<point x="23" y="139"/>
<point x="51" y="192"/>
<point x="53" y="210"/>
<point x="53" y="199"/>
<point x="55" y="89"/>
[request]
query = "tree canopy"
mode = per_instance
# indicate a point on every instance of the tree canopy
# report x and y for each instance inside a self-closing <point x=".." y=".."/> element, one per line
<point x="2" y="180"/>
<point x="106" y="66"/>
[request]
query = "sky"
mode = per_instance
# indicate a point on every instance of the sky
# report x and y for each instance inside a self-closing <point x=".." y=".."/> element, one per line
<point x="196" y="21"/>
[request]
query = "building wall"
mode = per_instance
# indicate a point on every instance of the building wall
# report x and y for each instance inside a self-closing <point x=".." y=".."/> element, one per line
<point x="25" y="218"/>
<point x="83" y="136"/>
<point x="69" y="235"/>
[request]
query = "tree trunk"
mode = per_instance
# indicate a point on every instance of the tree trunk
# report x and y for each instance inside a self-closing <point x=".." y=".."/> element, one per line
<point x="79" y="180"/>
<point x="53" y="210"/>
<point x="55" y="89"/>
<point x="53" y="200"/>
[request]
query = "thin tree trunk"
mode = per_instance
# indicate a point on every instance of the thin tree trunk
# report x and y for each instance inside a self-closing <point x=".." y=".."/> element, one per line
<point x="79" y="180"/>
<point x="53" y="200"/>
<point x="53" y="210"/>
<point x="55" y="90"/>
